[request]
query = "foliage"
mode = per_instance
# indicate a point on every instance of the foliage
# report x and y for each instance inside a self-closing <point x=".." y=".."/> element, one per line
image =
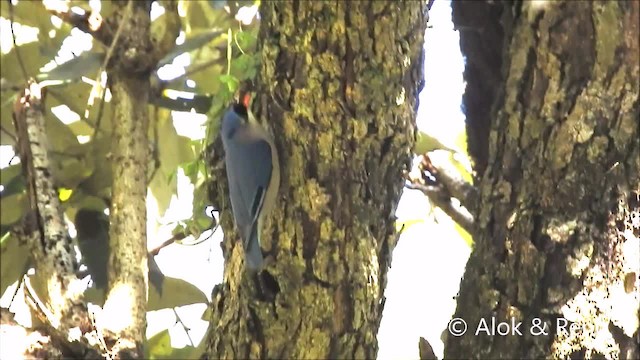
<point x="220" y="51"/>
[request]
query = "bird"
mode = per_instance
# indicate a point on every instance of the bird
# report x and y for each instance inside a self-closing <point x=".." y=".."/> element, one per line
<point x="253" y="175"/>
<point x="92" y="228"/>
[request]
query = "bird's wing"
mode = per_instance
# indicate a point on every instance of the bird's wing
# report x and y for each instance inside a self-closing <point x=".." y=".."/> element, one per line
<point x="249" y="167"/>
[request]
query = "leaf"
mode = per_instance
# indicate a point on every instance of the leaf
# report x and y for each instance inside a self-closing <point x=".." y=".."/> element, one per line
<point x="199" y="103"/>
<point x="464" y="234"/>
<point x="64" y="194"/>
<point x="12" y="180"/>
<point x="192" y="43"/>
<point x="231" y="81"/>
<point x="86" y="64"/>
<point x="174" y="150"/>
<point x="30" y="13"/>
<point x="246" y="40"/>
<point x="32" y="60"/>
<point x="75" y="95"/>
<point x="60" y="135"/>
<point x="245" y="67"/>
<point x="461" y="168"/>
<point x="162" y="187"/>
<point x="404" y="225"/>
<point x="80" y="200"/>
<point x="191" y="170"/>
<point x="175" y="292"/>
<point x="14" y="260"/>
<point x="13" y="207"/>
<point x="426" y="143"/>
<point x="99" y="183"/>
<point x="159" y="345"/>
<point x="218" y="4"/>
<point x="6" y="118"/>
<point x="189" y="352"/>
<point x="69" y="171"/>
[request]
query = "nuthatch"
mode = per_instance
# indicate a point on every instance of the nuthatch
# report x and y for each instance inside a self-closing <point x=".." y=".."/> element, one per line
<point x="253" y="172"/>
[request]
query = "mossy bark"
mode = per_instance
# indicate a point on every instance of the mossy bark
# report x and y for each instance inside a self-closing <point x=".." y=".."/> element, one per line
<point x="559" y="211"/>
<point x="338" y="88"/>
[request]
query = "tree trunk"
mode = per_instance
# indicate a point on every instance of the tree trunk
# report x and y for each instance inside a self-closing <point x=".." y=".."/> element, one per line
<point x="559" y="211"/>
<point x="338" y="87"/>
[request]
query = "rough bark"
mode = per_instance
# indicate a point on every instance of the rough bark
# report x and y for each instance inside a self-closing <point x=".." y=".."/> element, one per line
<point x="559" y="209"/>
<point x="338" y="87"/>
<point x="43" y="227"/>
<point x="133" y="57"/>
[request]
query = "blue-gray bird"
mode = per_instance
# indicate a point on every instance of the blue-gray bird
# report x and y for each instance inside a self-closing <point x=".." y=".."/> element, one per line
<point x="253" y="173"/>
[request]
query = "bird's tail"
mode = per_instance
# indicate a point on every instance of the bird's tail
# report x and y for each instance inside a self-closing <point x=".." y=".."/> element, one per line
<point x="253" y="253"/>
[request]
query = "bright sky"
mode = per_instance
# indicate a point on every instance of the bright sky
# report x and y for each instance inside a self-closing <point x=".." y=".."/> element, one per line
<point x="429" y="259"/>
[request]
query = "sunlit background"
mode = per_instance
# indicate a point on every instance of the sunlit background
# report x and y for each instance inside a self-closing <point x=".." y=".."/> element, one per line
<point x="428" y="261"/>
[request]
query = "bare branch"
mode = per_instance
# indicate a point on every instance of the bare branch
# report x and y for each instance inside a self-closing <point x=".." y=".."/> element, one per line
<point x="445" y="184"/>
<point x="446" y="174"/>
<point x="86" y="20"/>
<point x="439" y="196"/>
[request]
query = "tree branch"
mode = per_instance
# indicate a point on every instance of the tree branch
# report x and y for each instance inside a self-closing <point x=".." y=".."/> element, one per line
<point x="441" y="184"/>
<point x="441" y="198"/>
<point x="85" y="20"/>
<point x="44" y="226"/>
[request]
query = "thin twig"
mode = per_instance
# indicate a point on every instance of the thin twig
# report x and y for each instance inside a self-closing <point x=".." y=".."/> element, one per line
<point x="184" y="326"/>
<point x="87" y="21"/>
<point x="442" y="200"/>
<point x="174" y="238"/>
<point x="99" y="334"/>
<point x="15" y="45"/>
<point x="100" y="112"/>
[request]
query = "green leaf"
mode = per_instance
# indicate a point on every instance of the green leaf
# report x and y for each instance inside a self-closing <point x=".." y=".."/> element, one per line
<point x="231" y="81"/>
<point x="12" y="180"/>
<point x="426" y="143"/>
<point x="461" y="168"/>
<point x="174" y="150"/>
<point x="30" y="13"/>
<point x="60" y="135"/>
<point x="69" y="171"/>
<point x="14" y="260"/>
<point x="199" y="103"/>
<point x="191" y="170"/>
<point x="86" y="64"/>
<point x="159" y="345"/>
<point x="99" y="183"/>
<point x="246" y="40"/>
<point x="193" y="42"/>
<point x="464" y="234"/>
<point x="6" y="117"/>
<point x="175" y="292"/>
<point x="13" y="207"/>
<point x="245" y="67"/>
<point x="404" y="225"/>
